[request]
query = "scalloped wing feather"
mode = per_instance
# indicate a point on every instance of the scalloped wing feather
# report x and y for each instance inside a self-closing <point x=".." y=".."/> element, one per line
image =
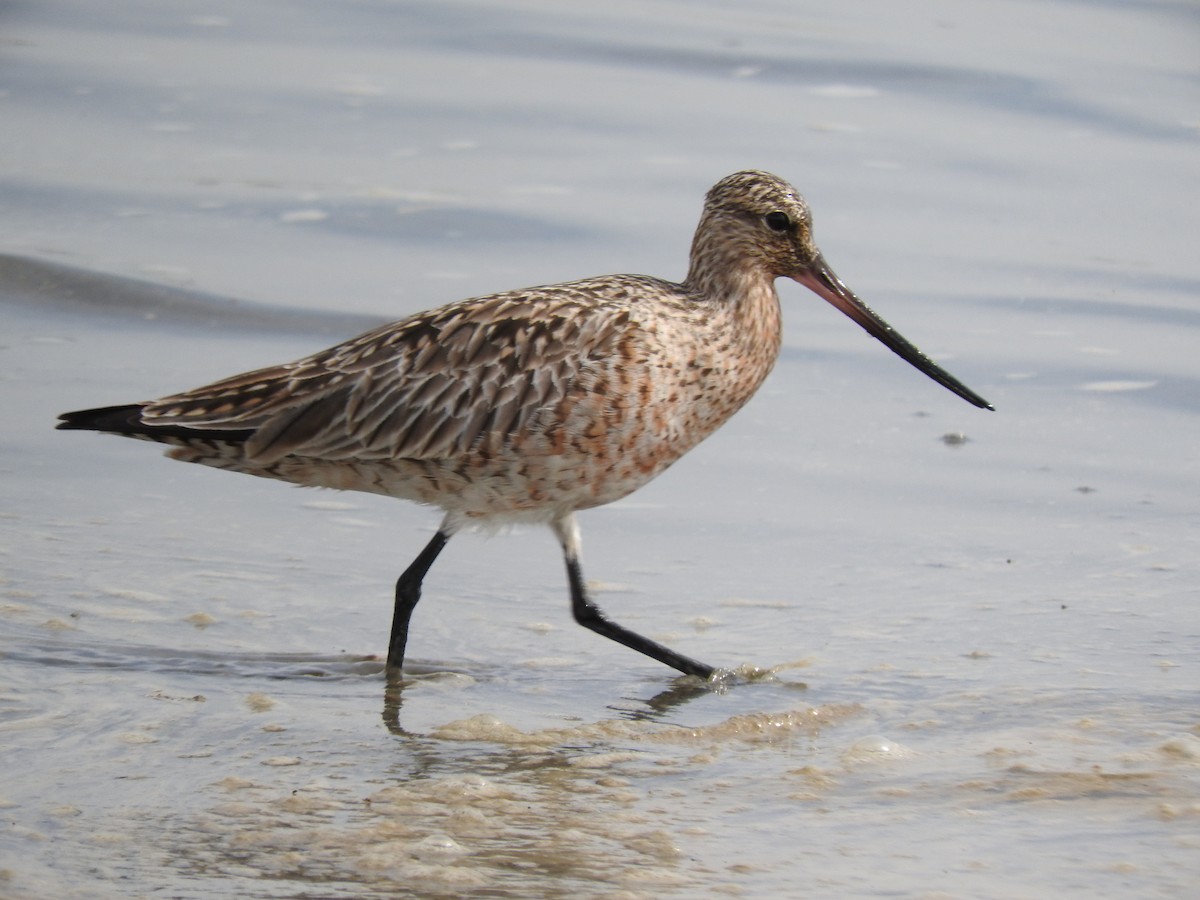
<point x="433" y="386"/>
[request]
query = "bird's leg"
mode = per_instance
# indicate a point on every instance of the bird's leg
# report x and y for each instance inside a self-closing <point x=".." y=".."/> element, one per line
<point x="590" y="616"/>
<point x="408" y="592"/>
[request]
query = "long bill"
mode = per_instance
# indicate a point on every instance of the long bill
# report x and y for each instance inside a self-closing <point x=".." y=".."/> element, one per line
<point x="821" y="280"/>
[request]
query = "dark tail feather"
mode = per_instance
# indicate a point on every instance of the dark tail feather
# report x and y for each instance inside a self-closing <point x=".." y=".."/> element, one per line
<point x="127" y="420"/>
<point x="113" y="419"/>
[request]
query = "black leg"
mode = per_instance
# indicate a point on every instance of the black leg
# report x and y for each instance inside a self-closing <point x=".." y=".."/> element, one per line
<point x="589" y="615"/>
<point x="408" y="592"/>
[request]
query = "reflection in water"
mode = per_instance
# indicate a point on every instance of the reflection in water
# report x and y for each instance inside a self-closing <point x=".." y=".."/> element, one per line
<point x="393" y="698"/>
<point x="688" y="688"/>
<point x="135" y="658"/>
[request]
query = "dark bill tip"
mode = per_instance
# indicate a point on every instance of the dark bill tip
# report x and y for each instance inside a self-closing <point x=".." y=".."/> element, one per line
<point x="822" y="281"/>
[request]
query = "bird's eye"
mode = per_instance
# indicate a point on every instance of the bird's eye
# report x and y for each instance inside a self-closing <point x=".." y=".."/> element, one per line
<point x="777" y="221"/>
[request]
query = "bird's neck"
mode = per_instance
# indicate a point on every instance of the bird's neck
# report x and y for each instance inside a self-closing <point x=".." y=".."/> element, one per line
<point x="740" y="321"/>
<point x="736" y="286"/>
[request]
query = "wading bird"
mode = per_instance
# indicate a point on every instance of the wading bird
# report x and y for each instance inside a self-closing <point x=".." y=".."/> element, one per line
<point x="529" y="405"/>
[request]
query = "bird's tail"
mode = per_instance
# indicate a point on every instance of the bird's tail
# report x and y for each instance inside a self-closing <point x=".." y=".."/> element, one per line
<point x="125" y="419"/>
<point x="128" y="420"/>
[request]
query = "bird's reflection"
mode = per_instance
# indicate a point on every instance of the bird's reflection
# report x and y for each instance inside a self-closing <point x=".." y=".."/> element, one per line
<point x="656" y="708"/>
<point x="681" y="691"/>
<point x="686" y="689"/>
<point x="393" y="699"/>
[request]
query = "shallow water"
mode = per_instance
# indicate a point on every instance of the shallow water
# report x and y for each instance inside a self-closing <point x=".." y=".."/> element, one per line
<point x="963" y="645"/>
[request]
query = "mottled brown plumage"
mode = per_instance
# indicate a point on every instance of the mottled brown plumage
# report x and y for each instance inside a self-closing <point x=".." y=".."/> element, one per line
<point x="531" y="404"/>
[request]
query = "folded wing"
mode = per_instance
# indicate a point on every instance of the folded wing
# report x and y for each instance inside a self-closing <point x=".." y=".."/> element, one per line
<point x="437" y="385"/>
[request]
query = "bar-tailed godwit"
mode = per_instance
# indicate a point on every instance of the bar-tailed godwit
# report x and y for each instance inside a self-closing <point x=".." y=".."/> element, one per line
<point x="529" y="405"/>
